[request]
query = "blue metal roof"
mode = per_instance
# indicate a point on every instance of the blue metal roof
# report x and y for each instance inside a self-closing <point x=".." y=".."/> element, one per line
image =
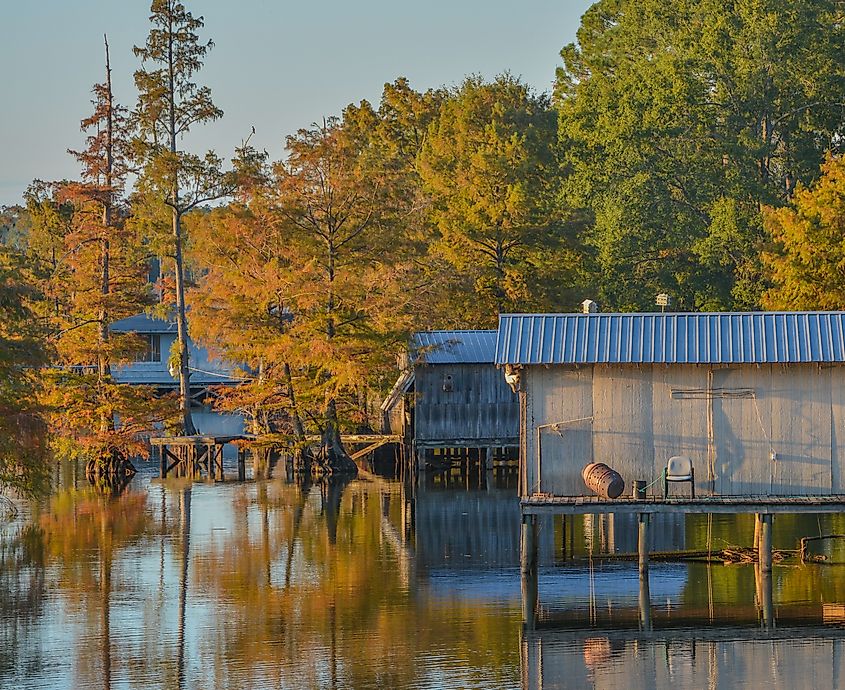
<point x="743" y="338"/>
<point x="143" y="323"/>
<point x="454" y="347"/>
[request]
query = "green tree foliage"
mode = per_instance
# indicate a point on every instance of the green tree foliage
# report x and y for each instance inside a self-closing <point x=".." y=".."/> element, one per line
<point x="489" y="167"/>
<point x="23" y="464"/>
<point x="679" y="121"/>
<point x="170" y="104"/>
<point x="807" y="263"/>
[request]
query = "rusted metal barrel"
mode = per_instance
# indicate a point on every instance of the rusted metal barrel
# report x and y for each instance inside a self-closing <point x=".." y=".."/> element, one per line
<point x="603" y="480"/>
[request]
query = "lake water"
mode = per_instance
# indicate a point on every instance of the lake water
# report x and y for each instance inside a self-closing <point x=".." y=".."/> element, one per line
<point x="268" y="584"/>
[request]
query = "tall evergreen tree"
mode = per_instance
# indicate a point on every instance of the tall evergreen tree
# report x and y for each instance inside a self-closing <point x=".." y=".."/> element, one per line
<point x="170" y="103"/>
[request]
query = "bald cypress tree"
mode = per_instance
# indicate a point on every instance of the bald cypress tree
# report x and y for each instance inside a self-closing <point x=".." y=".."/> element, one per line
<point x="170" y="104"/>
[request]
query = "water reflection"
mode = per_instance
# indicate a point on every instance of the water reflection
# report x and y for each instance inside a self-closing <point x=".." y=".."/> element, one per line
<point x="375" y="584"/>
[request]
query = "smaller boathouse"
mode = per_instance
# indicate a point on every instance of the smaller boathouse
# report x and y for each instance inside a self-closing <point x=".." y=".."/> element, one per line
<point x="451" y="400"/>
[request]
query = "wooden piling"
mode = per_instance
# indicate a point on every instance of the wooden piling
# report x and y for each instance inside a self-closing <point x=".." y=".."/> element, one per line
<point x="530" y="587"/>
<point x="241" y="465"/>
<point x="642" y="541"/>
<point x="220" y="474"/>
<point x="489" y="458"/>
<point x="528" y="544"/>
<point x="645" y="603"/>
<point x="767" y="602"/>
<point x="765" y="550"/>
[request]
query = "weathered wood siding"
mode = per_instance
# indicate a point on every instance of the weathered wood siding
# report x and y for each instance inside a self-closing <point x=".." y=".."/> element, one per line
<point x="480" y="407"/>
<point x="728" y="419"/>
<point x="396" y="418"/>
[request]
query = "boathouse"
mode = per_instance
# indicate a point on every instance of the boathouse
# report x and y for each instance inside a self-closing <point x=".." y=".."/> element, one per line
<point x="756" y="401"/>
<point x="151" y="361"/>
<point x="450" y="396"/>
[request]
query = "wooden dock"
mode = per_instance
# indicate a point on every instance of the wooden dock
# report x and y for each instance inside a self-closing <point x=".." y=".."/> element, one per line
<point x="189" y="456"/>
<point x="763" y="507"/>
<point x="193" y="456"/>
<point x="541" y="504"/>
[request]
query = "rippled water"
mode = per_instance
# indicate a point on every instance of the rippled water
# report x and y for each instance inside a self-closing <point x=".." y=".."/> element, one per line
<point x="267" y="584"/>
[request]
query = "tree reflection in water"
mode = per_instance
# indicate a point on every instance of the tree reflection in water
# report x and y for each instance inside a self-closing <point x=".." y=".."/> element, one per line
<point x="367" y="584"/>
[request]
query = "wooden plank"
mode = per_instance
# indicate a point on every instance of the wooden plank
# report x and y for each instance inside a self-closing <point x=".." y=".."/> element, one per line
<point x="801" y="429"/>
<point x="679" y="423"/>
<point x="369" y="449"/>
<point x="197" y="440"/>
<point x="837" y="428"/>
<point x="558" y="396"/>
<point x="623" y="426"/>
<point x="725" y="504"/>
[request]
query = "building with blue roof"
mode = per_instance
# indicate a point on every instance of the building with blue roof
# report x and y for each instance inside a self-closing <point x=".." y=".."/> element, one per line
<point x="450" y="395"/>
<point x="151" y="362"/>
<point x="755" y="400"/>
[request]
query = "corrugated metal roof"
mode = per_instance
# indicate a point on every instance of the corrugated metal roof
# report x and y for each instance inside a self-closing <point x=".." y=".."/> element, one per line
<point x="753" y="337"/>
<point x="143" y="323"/>
<point x="455" y="347"/>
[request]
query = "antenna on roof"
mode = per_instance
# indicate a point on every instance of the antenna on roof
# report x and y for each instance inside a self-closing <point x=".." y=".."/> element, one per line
<point x="589" y="307"/>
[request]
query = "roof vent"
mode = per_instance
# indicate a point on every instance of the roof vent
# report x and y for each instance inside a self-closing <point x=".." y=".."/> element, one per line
<point x="589" y="307"/>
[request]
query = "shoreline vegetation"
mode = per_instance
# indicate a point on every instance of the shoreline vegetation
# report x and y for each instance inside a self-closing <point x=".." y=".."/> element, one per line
<point x="691" y="149"/>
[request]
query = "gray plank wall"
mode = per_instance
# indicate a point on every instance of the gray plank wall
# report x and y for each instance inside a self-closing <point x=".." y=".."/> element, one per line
<point x="480" y="408"/>
<point x="642" y="415"/>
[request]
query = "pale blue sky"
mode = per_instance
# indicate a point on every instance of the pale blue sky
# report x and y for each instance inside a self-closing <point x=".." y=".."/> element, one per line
<point x="276" y="65"/>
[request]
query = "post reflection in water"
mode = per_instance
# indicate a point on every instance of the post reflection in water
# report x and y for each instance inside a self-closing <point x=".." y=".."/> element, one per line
<point x="378" y="584"/>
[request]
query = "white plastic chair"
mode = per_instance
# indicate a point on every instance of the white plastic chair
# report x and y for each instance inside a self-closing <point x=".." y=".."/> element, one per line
<point x="678" y="469"/>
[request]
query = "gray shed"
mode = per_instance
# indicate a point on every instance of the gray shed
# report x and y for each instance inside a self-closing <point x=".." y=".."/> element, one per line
<point x="450" y="395"/>
<point x="755" y="400"/>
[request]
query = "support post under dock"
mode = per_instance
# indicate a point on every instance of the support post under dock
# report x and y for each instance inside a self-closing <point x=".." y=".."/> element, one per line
<point x="528" y="543"/>
<point x="765" y="549"/>
<point x="765" y="601"/>
<point x="643" y="520"/>
<point x="241" y="465"/>
<point x="530" y="587"/>
<point x="645" y="604"/>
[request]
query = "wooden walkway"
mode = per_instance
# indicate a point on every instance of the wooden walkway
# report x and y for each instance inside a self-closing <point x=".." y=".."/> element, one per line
<point x="541" y="504"/>
<point x="191" y="456"/>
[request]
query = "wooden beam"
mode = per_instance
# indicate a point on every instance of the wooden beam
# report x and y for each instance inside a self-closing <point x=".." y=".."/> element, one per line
<point x="369" y="449"/>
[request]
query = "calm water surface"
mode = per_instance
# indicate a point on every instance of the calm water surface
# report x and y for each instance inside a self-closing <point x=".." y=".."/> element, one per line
<point x="268" y="584"/>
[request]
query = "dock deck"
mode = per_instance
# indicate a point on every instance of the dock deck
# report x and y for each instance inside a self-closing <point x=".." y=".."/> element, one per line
<point x="540" y="504"/>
